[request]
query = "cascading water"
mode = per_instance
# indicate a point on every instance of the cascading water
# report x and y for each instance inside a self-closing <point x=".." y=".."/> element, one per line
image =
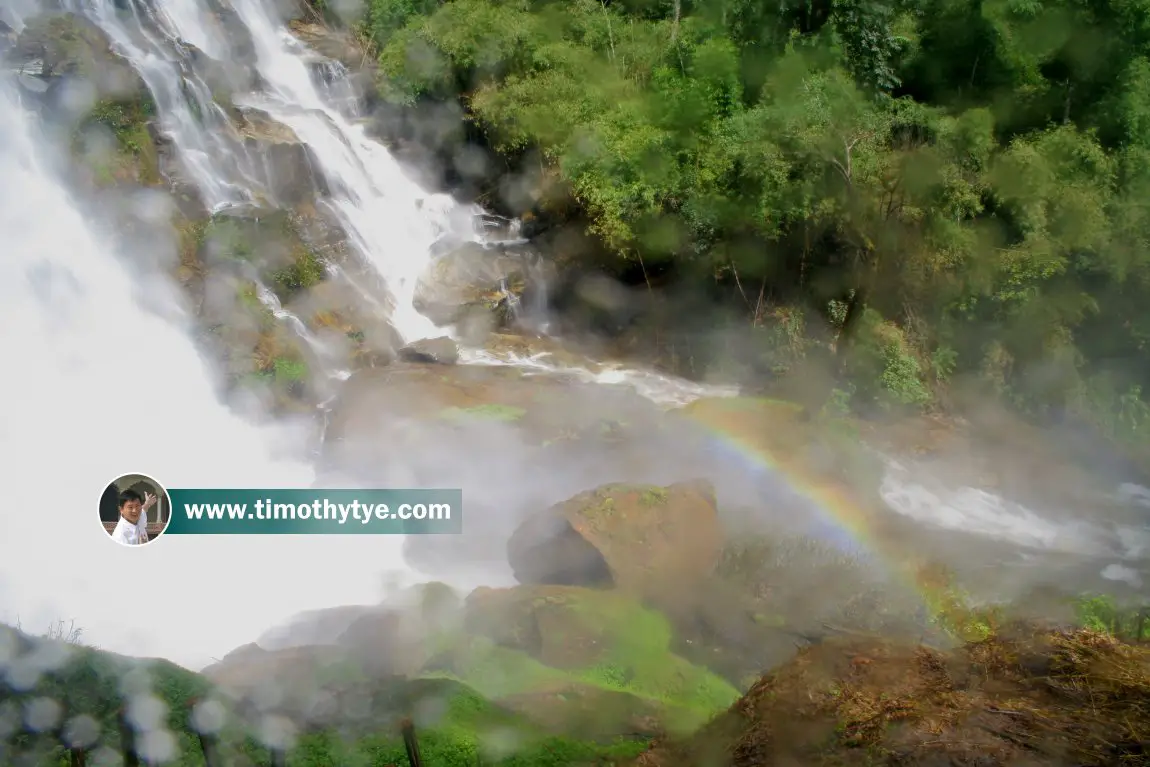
<point x="97" y="386"/>
<point x="390" y="220"/>
<point x="155" y="38"/>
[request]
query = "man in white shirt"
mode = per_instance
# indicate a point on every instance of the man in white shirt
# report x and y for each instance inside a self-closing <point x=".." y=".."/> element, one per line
<point x="131" y="529"/>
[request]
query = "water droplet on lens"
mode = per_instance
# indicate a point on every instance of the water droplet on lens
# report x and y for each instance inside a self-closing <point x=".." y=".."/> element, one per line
<point x="81" y="731"/>
<point x="42" y="714"/>
<point x="146" y="713"/>
<point x="158" y="746"/>
<point x="208" y="717"/>
<point x="9" y="720"/>
<point x="277" y="732"/>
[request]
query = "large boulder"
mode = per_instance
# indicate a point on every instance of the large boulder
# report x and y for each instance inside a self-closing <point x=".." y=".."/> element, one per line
<point x="439" y="351"/>
<point x="644" y="539"/>
<point x="557" y="652"/>
<point x="475" y="280"/>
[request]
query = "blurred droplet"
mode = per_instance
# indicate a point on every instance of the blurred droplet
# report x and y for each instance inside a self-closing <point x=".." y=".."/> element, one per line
<point x="323" y="705"/>
<point x="48" y="656"/>
<point x="357" y="706"/>
<point x="42" y="714"/>
<point x="500" y="743"/>
<point x="81" y="731"/>
<point x="22" y="676"/>
<point x="9" y="719"/>
<point x="430" y="710"/>
<point x="9" y="647"/>
<point x="158" y="746"/>
<point x="153" y="206"/>
<point x="208" y="717"/>
<point x="77" y="97"/>
<point x="135" y="681"/>
<point x="146" y="713"/>
<point x="267" y="696"/>
<point x="277" y="732"/>
<point x="105" y="756"/>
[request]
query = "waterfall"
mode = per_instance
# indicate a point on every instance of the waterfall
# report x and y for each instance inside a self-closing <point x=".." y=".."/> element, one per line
<point x="98" y="385"/>
<point x="391" y="221"/>
<point x="155" y="37"/>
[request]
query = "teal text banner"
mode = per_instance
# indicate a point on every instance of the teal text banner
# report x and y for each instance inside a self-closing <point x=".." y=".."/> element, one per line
<point x="218" y="511"/>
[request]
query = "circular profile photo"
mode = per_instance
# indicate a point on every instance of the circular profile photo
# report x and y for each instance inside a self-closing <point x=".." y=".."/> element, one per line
<point x="135" y="510"/>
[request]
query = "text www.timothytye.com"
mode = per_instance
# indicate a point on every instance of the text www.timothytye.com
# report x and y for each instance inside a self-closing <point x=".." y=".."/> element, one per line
<point x="322" y="510"/>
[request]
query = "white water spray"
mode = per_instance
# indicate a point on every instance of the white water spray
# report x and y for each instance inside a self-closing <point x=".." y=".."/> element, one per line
<point x="95" y="387"/>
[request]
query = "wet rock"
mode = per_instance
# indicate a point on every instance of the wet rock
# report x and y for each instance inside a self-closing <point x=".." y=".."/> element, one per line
<point x="510" y="347"/>
<point x="292" y="172"/>
<point x="329" y="42"/>
<point x="63" y="47"/>
<point x="481" y="399"/>
<point x="241" y="45"/>
<point x="475" y="278"/>
<point x="649" y="540"/>
<point x="336" y="313"/>
<point x="439" y="351"/>
<point x="383" y="642"/>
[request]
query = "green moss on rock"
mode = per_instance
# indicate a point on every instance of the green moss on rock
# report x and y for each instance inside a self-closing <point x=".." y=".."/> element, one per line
<point x="489" y="412"/>
<point x="305" y="270"/>
<point x="539" y="639"/>
<point x="136" y="158"/>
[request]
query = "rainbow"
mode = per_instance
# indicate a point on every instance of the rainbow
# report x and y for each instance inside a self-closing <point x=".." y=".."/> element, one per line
<point x="762" y="433"/>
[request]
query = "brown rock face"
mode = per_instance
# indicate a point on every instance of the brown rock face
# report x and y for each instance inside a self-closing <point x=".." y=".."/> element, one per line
<point x="643" y="539"/>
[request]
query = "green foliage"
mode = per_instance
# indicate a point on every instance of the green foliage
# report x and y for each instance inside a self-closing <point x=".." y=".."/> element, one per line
<point x="289" y="371"/>
<point x="1100" y="612"/>
<point x="127" y="120"/>
<point x="305" y="271"/>
<point x="466" y="733"/>
<point x="960" y="190"/>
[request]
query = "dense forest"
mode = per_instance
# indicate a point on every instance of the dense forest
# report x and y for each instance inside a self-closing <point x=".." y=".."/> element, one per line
<point x="924" y="192"/>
